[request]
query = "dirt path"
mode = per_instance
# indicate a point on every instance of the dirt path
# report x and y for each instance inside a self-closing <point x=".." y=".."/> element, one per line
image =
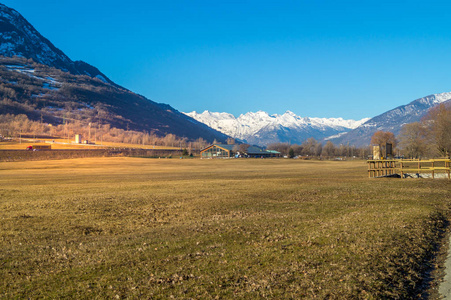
<point x="445" y="285"/>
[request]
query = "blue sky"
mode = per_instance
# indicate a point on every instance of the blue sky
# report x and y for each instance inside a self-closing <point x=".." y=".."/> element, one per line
<point x="349" y="59"/>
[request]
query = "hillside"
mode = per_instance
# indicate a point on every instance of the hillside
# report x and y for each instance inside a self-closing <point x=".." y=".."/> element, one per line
<point x="19" y="38"/>
<point x="393" y="120"/>
<point x="40" y="81"/>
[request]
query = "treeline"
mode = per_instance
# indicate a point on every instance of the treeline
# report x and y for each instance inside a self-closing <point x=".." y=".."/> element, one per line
<point x="314" y="148"/>
<point x="17" y="125"/>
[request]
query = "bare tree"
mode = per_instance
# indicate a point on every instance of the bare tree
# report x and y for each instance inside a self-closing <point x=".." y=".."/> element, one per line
<point x="328" y="149"/>
<point x="230" y="141"/>
<point x="242" y="148"/>
<point x="438" y="122"/>
<point x="280" y="147"/>
<point x="310" y="147"/>
<point x="381" y="139"/>
<point x="413" y="140"/>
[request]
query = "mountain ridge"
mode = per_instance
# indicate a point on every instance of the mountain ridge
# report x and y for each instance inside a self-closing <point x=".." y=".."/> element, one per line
<point x="393" y="119"/>
<point x="39" y="80"/>
<point x="262" y="128"/>
<point x="19" y="38"/>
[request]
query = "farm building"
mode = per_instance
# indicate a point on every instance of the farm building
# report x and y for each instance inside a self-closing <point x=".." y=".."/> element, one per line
<point x="217" y="151"/>
<point x="228" y="151"/>
<point x="257" y="152"/>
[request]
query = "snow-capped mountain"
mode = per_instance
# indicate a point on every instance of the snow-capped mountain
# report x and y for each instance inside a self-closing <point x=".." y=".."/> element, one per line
<point x="393" y="120"/>
<point x="261" y="128"/>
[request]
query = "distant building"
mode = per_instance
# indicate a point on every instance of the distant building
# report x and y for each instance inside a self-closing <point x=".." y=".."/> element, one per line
<point x="78" y="139"/>
<point x="258" y="152"/>
<point x="229" y="151"/>
<point x="217" y="151"/>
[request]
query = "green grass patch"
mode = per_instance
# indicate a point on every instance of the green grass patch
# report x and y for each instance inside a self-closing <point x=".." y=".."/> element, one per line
<point x="150" y="228"/>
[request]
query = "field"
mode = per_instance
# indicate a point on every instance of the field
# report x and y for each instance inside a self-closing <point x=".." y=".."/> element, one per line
<point x="215" y="229"/>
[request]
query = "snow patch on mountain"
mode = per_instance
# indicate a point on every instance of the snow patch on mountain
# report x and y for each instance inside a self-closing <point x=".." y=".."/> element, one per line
<point x="48" y="82"/>
<point x="335" y="136"/>
<point x="101" y="78"/>
<point x="440" y="98"/>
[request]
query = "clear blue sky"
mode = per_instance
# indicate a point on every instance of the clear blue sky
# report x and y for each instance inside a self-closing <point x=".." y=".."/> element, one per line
<point x="350" y="59"/>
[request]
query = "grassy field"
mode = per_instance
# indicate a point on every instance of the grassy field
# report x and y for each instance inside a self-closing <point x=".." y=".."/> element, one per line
<point x="214" y="229"/>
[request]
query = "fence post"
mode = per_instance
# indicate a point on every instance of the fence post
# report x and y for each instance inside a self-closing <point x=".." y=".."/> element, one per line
<point x="402" y="173"/>
<point x="432" y="169"/>
<point x="447" y="168"/>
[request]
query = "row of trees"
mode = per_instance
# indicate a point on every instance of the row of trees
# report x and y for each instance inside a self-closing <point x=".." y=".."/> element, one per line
<point x="314" y="148"/>
<point x="16" y="125"/>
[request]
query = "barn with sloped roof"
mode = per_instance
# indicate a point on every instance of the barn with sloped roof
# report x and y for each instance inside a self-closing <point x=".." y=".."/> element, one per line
<point x="229" y="151"/>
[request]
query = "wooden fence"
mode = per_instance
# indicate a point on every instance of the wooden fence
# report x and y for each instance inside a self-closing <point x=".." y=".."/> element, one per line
<point x="409" y="168"/>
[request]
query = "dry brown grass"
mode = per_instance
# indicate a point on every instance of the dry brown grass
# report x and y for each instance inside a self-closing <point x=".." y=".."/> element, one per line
<point x="150" y="228"/>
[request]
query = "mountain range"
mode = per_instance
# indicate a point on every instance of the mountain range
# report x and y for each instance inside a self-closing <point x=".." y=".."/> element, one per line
<point x="39" y="80"/>
<point x="261" y="128"/>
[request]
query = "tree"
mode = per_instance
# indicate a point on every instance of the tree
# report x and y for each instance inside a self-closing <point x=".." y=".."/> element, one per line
<point x="199" y="144"/>
<point x="242" y="148"/>
<point x="382" y="138"/>
<point x="318" y="149"/>
<point x="310" y="147"/>
<point x="230" y="141"/>
<point x="297" y="149"/>
<point x="280" y="147"/>
<point x="291" y="153"/>
<point x="438" y="123"/>
<point x="413" y="140"/>
<point x="328" y="149"/>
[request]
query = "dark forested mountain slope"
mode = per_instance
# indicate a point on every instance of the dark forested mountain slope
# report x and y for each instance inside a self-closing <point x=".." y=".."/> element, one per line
<point x="39" y="80"/>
